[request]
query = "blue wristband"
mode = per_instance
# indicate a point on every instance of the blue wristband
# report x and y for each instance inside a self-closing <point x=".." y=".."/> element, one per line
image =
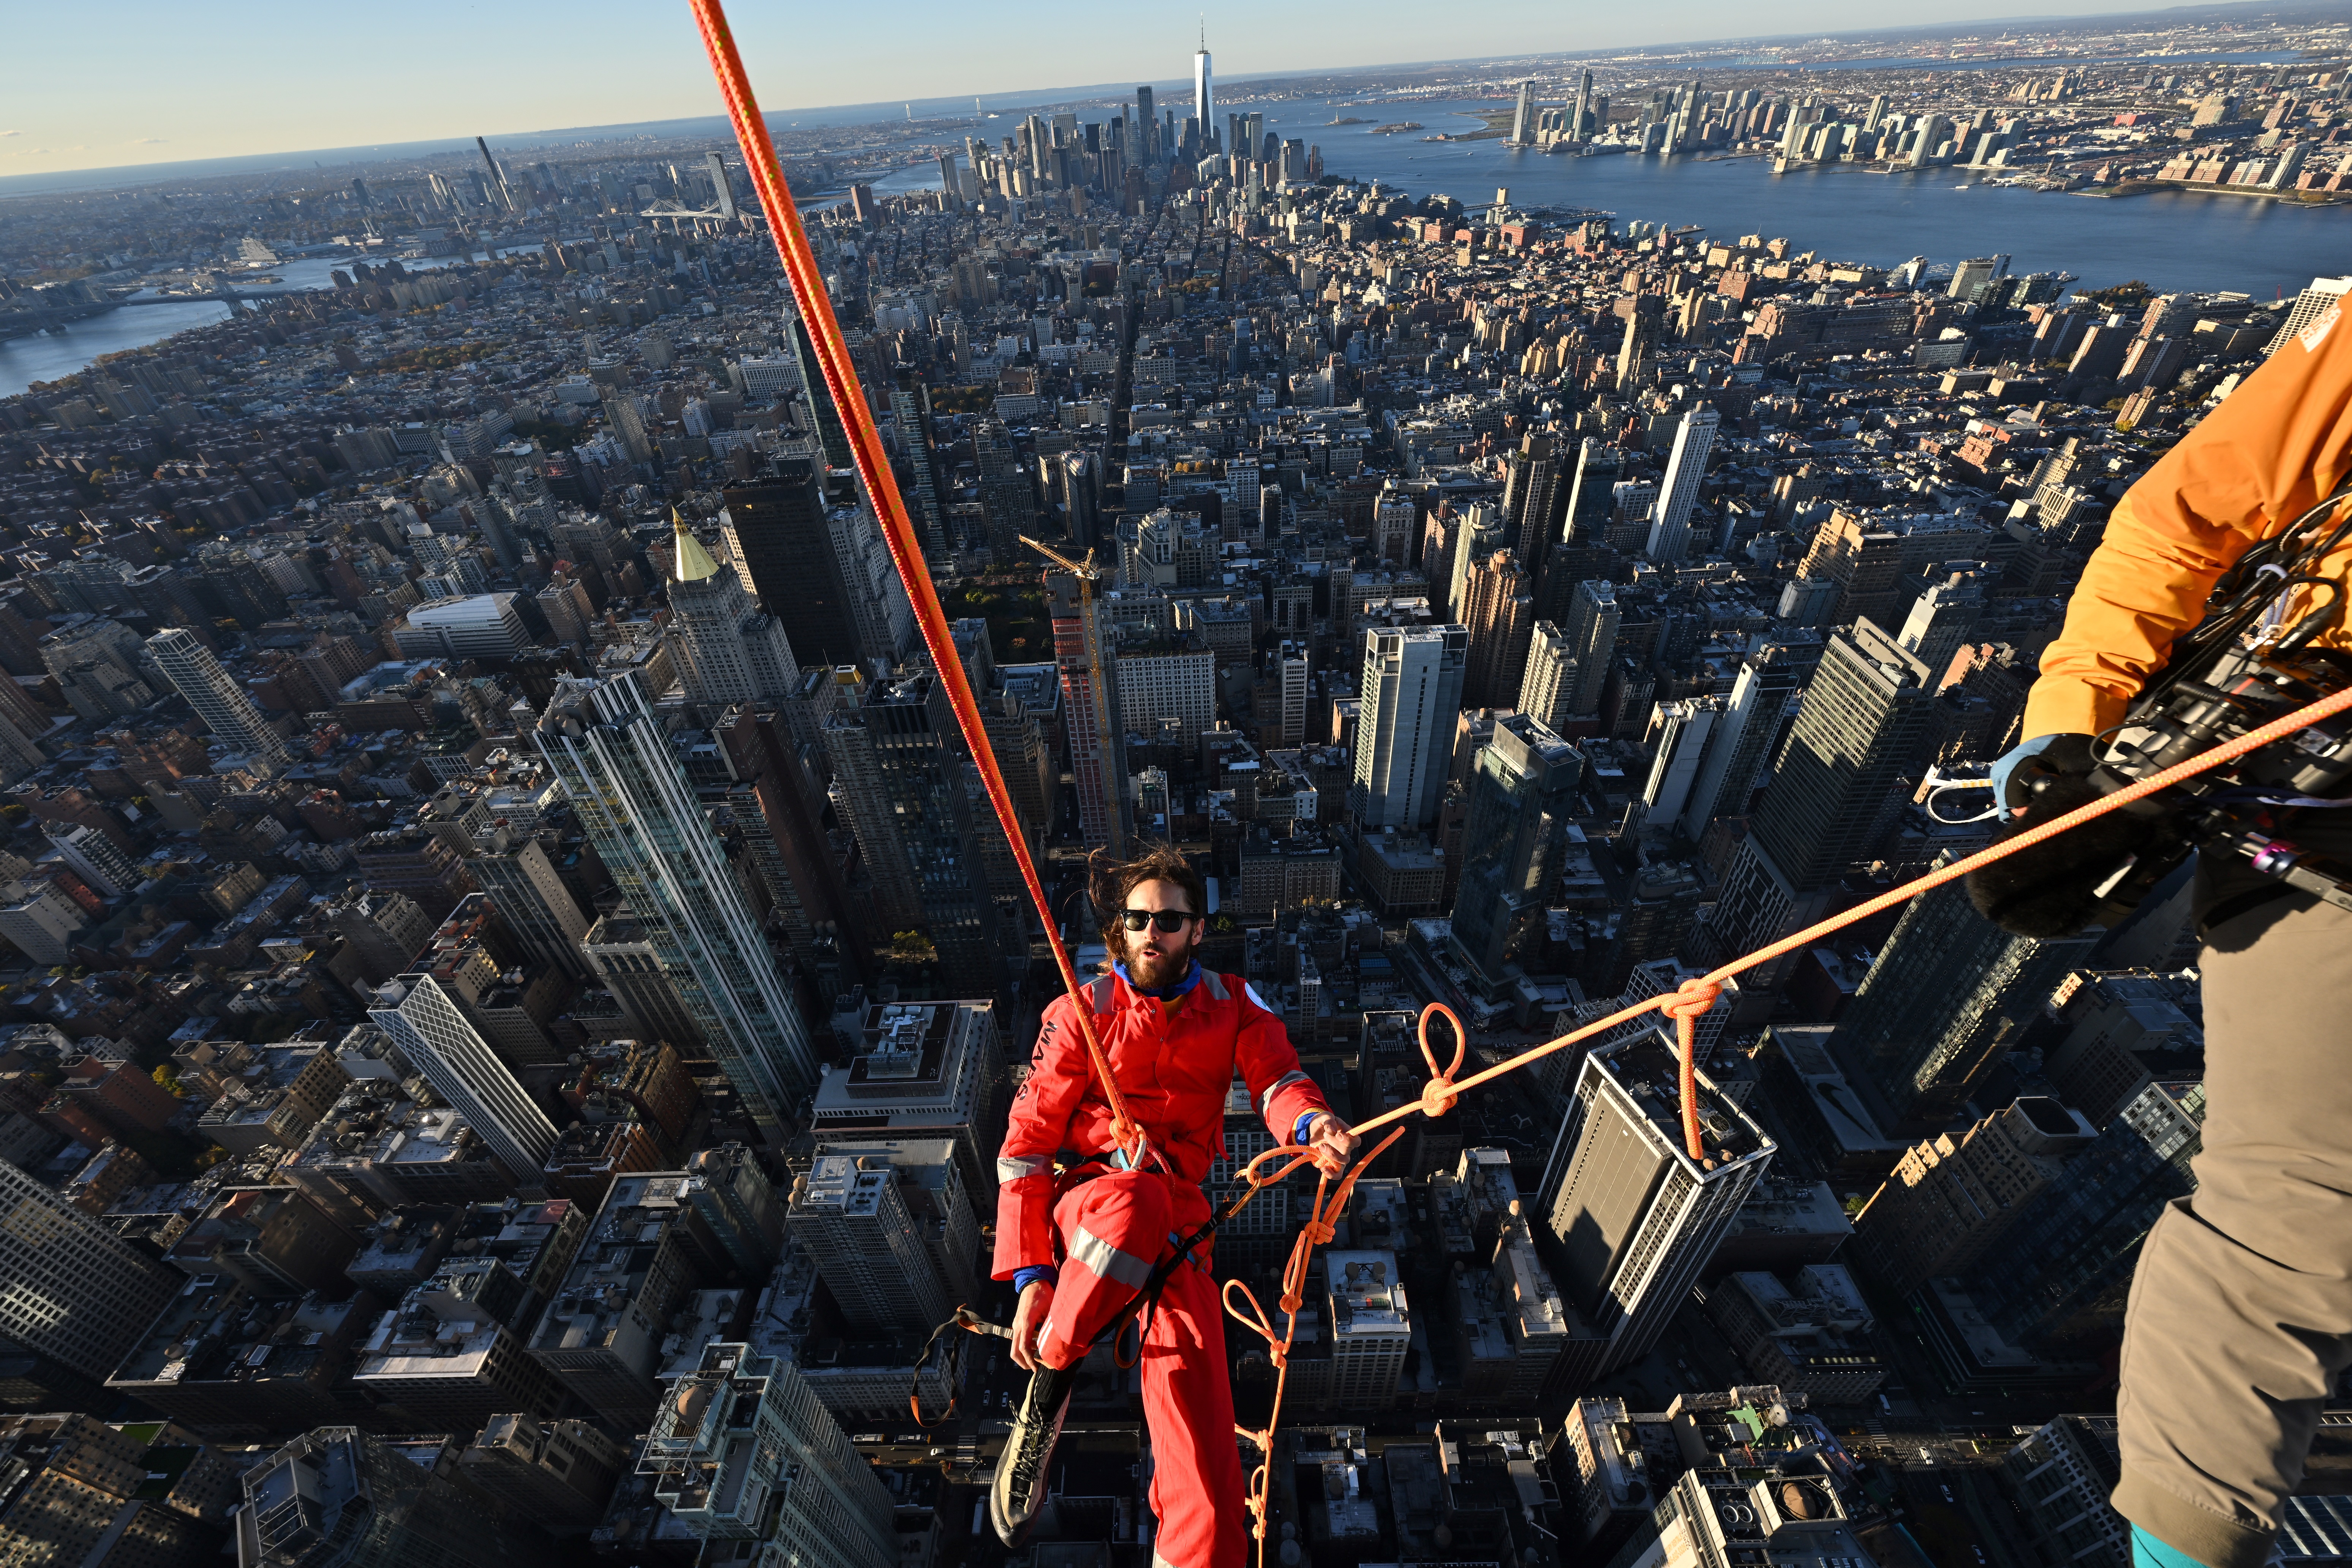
<point x="1025" y="1278"/>
<point x="1298" y="1129"/>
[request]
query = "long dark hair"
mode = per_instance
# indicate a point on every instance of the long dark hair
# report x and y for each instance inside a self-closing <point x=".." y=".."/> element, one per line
<point x="1110" y="880"/>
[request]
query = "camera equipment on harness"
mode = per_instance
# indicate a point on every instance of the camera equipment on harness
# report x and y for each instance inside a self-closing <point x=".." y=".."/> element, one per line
<point x="2243" y="666"/>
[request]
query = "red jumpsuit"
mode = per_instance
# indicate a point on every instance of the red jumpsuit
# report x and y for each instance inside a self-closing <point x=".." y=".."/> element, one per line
<point x="1107" y="1230"/>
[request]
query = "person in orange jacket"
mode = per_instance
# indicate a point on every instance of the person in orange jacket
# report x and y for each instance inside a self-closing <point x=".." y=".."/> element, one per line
<point x="2239" y="1320"/>
<point x="1078" y="1230"/>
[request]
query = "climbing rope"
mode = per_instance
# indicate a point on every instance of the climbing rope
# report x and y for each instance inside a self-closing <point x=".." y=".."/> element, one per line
<point x="882" y="488"/>
<point x="1685" y="1004"/>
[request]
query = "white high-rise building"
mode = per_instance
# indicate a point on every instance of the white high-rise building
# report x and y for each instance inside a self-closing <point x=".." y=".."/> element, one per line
<point x="226" y="712"/>
<point x="729" y="649"/>
<point x="855" y="1224"/>
<point x="639" y="811"/>
<point x="1371" y="1327"/>
<point x="74" y="1293"/>
<point x="1410" y="691"/>
<point x="1693" y="440"/>
<point x="1681" y="732"/>
<point x="1548" y="691"/>
<point x="424" y="1022"/>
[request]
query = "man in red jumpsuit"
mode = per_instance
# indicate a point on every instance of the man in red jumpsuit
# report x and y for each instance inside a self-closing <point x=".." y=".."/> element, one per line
<point x="1080" y="1241"/>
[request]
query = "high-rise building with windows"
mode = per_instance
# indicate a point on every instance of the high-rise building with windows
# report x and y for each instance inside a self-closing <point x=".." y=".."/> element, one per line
<point x="620" y="948"/>
<point x="1499" y="609"/>
<point x="77" y="1297"/>
<point x="1948" y="993"/>
<point x="1864" y="722"/>
<point x="1409" y="694"/>
<point x="226" y="712"/>
<point x="1592" y="620"/>
<point x="1693" y="440"/>
<point x="430" y="1027"/>
<point x="633" y="798"/>
<point x="850" y="1216"/>
<point x="741" y="1450"/>
<point x="1084" y="648"/>
<point x="1522" y="794"/>
<point x="1204" y="106"/>
<point x="782" y="532"/>
<point x="1636" y="1216"/>
<point x="899" y="774"/>
<point x="1742" y="735"/>
<point x="730" y="649"/>
<point x="910" y="409"/>
<point x="339" y="1498"/>
<point x="532" y="902"/>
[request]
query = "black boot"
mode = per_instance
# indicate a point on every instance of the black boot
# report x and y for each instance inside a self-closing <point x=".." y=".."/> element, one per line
<point x="1019" y="1488"/>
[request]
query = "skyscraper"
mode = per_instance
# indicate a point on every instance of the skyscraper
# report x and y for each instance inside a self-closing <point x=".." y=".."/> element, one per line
<point x="430" y="1030"/>
<point x="899" y="769"/>
<point x="741" y="1450"/>
<point x="339" y="1498"/>
<point x="1864" y="719"/>
<point x="78" y="1297"/>
<point x="1583" y="107"/>
<point x="532" y="902"/>
<point x="1636" y="1217"/>
<point x="226" y="712"/>
<point x="780" y="524"/>
<point x="1083" y="647"/>
<point x="620" y="948"/>
<point x="1203" y="109"/>
<point x="1409" y="692"/>
<point x="910" y="410"/>
<point x="1593" y="621"/>
<point x="730" y="649"/>
<point x="1744" y="733"/>
<point x="1522" y="794"/>
<point x="849" y="1213"/>
<point x="722" y="190"/>
<point x="1535" y="500"/>
<point x="1499" y="609"/>
<point x="1948" y="993"/>
<point x="1144" y="139"/>
<point x="633" y="798"/>
<point x="1549" y="686"/>
<point x="1694" y="439"/>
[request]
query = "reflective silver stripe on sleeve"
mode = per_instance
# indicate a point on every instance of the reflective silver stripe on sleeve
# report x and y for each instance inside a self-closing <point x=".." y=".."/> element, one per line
<point x="1009" y="1168"/>
<point x="1265" y="1100"/>
<point x="1108" y="1262"/>
<point x="1216" y="986"/>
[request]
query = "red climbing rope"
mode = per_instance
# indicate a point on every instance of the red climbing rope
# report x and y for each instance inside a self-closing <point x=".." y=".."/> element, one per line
<point x="1685" y="1004"/>
<point x="882" y="489"/>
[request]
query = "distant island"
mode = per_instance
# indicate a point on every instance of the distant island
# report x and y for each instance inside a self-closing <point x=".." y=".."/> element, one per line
<point x="1348" y="120"/>
<point x="1392" y="129"/>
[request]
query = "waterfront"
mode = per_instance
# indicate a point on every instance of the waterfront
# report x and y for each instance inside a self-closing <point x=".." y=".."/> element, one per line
<point x="2168" y="239"/>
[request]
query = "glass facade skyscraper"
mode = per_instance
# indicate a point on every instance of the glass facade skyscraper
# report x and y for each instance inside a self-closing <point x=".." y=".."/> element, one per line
<point x="634" y="801"/>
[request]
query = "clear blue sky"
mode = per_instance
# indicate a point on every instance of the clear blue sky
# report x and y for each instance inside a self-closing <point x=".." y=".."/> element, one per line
<point x="107" y="82"/>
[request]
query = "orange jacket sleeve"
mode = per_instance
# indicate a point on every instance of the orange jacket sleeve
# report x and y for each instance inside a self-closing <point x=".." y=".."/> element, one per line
<point x="1279" y="1088"/>
<point x="2267" y="455"/>
<point x="1035" y="1130"/>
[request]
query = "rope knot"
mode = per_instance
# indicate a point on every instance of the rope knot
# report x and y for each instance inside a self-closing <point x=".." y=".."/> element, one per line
<point x="1318" y="1233"/>
<point x="1691" y="999"/>
<point x="1437" y="1096"/>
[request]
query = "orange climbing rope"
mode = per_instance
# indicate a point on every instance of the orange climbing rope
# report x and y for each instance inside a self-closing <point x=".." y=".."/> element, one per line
<point x="1685" y="1004"/>
<point x="889" y="507"/>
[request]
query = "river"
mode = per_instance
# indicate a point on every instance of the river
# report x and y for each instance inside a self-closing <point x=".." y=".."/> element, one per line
<point x="2171" y="240"/>
<point x="49" y="356"/>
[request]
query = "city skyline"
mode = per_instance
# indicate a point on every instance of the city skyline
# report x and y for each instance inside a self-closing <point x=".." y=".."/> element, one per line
<point x="54" y="123"/>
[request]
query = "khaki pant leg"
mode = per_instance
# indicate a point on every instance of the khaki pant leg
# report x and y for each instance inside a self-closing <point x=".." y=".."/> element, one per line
<point x="2241" y="1312"/>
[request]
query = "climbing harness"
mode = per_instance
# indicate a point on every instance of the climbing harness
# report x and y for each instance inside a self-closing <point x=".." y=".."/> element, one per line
<point x="1443" y="1090"/>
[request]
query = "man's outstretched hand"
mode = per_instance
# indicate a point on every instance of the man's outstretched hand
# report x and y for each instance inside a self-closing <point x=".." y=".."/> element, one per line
<point x="1029" y="1321"/>
<point x="1330" y="1144"/>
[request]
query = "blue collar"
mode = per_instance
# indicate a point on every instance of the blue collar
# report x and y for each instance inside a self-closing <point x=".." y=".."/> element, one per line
<point x="1191" y="978"/>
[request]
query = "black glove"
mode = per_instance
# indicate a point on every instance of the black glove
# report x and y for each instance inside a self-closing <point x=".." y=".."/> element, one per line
<point x="2092" y="874"/>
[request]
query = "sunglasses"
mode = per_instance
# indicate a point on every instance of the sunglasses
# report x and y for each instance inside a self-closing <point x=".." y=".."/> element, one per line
<point x="1165" y="919"/>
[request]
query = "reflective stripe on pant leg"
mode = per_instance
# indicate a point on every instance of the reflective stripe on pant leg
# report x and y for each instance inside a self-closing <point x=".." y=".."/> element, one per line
<point x="1111" y="1231"/>
<point x="2241" y="1314"/>
<point x="1188" y="1404"/>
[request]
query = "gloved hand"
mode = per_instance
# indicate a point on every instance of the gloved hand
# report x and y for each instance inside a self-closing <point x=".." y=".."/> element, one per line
<point x="2013" y="777"/>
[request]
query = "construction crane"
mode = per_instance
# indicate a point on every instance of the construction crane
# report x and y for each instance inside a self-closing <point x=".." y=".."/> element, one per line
<point x="1107" y="738"/>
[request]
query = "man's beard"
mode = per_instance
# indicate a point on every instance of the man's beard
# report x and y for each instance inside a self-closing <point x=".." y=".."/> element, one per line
<point x="1155" y="973"/>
